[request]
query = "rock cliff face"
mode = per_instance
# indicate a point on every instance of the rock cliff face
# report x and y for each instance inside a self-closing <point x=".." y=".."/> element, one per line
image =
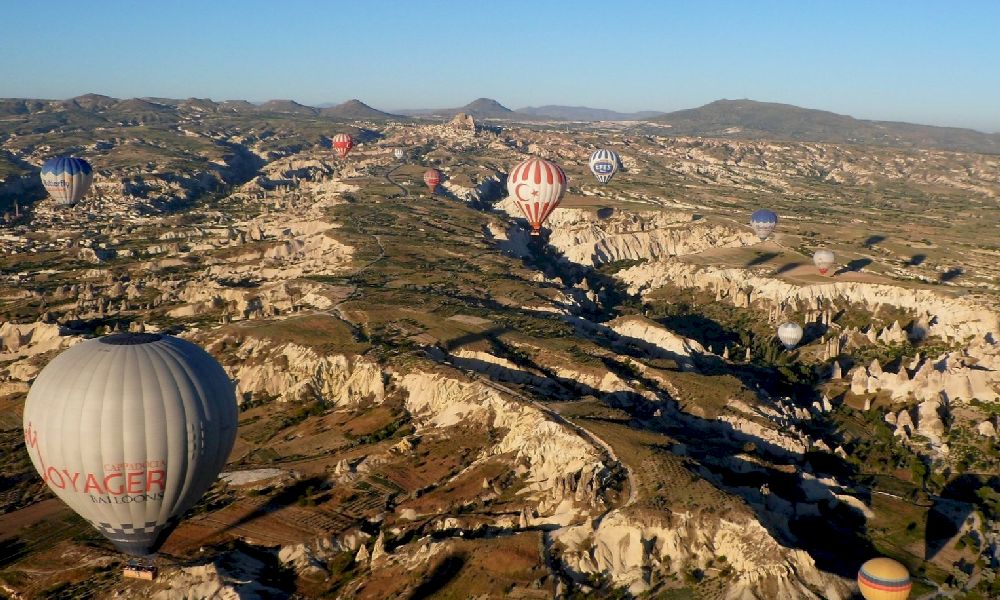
<point x="22" y="346"/>
<point x="657" y="340"/>
<point x="588" y="239"/>
<point x="955" y="376"/>
<point x="290" y="372"/>
<point x="549" y="452"/>
<point x="950" y="318"/>
<point x="632" y="550"/>
<point x="236" y="577"/>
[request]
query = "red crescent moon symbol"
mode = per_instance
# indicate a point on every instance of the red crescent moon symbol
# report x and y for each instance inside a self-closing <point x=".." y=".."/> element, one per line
<point x="517" y="192"/>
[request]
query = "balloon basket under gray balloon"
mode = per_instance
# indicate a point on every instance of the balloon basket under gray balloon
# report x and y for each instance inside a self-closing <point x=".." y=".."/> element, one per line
<point x="140" y="568"/>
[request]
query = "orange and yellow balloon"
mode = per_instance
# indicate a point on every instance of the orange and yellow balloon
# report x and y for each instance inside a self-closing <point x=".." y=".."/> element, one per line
<point x="884" y="579"/>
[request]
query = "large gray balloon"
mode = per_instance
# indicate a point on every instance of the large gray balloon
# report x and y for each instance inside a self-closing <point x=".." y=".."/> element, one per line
<point x="130" y="430"/>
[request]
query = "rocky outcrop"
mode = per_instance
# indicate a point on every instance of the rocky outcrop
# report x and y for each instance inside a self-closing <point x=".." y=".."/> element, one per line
<point x="235" y="575"/>
<point x="656" y="339"/>
<point x="950" y="318"/>
<point x="628" y="549"/>
<point x="585" y="238"/>
<point x="290" y="372"/>
<point x="549" y="453"/>
<point x="955" y="376"/>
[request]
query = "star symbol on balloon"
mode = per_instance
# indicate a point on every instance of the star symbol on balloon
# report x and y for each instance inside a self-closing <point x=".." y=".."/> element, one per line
<point x="534" y="192"/>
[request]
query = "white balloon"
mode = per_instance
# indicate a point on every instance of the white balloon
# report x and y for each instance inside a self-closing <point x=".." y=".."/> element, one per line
<point x="790" y="335"/>
<point x="130" y="430"/>
<point x="823" y="259"/>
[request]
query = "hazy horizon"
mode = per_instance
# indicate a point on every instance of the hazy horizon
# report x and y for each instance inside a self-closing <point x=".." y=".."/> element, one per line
<point x="912" y="62"/>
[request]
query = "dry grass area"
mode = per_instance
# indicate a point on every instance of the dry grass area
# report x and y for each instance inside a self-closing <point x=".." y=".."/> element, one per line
<point x="502" y="567"/>
<point x="323" y="333"/>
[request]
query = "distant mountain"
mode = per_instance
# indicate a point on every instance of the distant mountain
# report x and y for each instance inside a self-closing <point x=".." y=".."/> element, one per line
<point x="355" y="110"/>
<point x="584" y="113"/>
<point x="90" y="102"/>
<point x="287" y="106"/>
<point x="769" y="120"/>
<point x="486" y="108"/>
<point x="237" y="106"/>
<point x="481" y="108"/>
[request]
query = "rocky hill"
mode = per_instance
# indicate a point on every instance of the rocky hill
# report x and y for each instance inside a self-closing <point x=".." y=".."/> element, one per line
<point x="355" y="110"/>
<point x="749" y="119"/>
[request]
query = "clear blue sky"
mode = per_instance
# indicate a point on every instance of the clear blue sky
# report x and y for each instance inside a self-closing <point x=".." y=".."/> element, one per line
<point x="915" y="60"/>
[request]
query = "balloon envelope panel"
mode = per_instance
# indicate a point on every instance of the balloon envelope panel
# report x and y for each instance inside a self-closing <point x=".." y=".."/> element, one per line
<point x="130" y="430"/>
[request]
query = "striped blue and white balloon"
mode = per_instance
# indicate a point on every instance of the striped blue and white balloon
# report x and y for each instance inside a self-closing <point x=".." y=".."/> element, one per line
<point x="67" y="179"/>
<point x="604" y="164"/>
<point x="763" y="222"/>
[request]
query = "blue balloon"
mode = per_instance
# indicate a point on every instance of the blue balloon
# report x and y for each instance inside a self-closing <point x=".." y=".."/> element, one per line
<point x="763" y="222"/>
<point x="604" y="164"/>
<point x="67" y="178"/>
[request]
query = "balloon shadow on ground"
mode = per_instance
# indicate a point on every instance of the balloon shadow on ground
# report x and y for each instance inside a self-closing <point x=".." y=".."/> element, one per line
<point x="605" y="212"/>
<point x="872" y="240"/>
<point x="957" y="501"/>
<point x="854" y="266"/>
<point x="787" y="267"/>
<point x="441" y="576"/>
<point x="916" y="260"/>
<point x="761" y="258"/>
<point x="11" y="550"/>
<point x="367" y="135"/>
<point x="287" y="496"/>
<point x="951" y="274"/>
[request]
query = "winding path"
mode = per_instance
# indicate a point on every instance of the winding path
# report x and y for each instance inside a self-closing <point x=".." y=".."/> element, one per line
<point x="388" y="177"/>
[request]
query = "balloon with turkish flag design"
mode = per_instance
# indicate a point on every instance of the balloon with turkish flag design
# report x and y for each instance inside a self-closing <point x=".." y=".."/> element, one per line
<point x="538" y="186"/>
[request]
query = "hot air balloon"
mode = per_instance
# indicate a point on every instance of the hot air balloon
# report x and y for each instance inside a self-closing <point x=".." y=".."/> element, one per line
<point x="790" y="335"/>
<point x="604" y="164"/>
<point x="763" y="222"/>
<point x="884" y="579"/>
<point x="398" y="153"/>
<point x="130" y="430"/>
<point x="538" y="187"/>
<point x="67" y="179"/>
<point x="343" y="143"/>
<point x="432" y="177"/>
<point x="823" y="259"/>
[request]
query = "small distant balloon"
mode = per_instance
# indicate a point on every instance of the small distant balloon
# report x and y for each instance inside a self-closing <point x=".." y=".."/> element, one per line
<point x="790" y="335"/>
<point x="67" y="179"/>
<point x="604" y="164"/>
<point x="763" y="223"/>
<point x="884" y="579"/>
<point x="343" y="143"/>
<point x="538" y="186"/>
<point x="432" y="177"/>
<point x="398" y="153"/>
<point x="823" y="259"/>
